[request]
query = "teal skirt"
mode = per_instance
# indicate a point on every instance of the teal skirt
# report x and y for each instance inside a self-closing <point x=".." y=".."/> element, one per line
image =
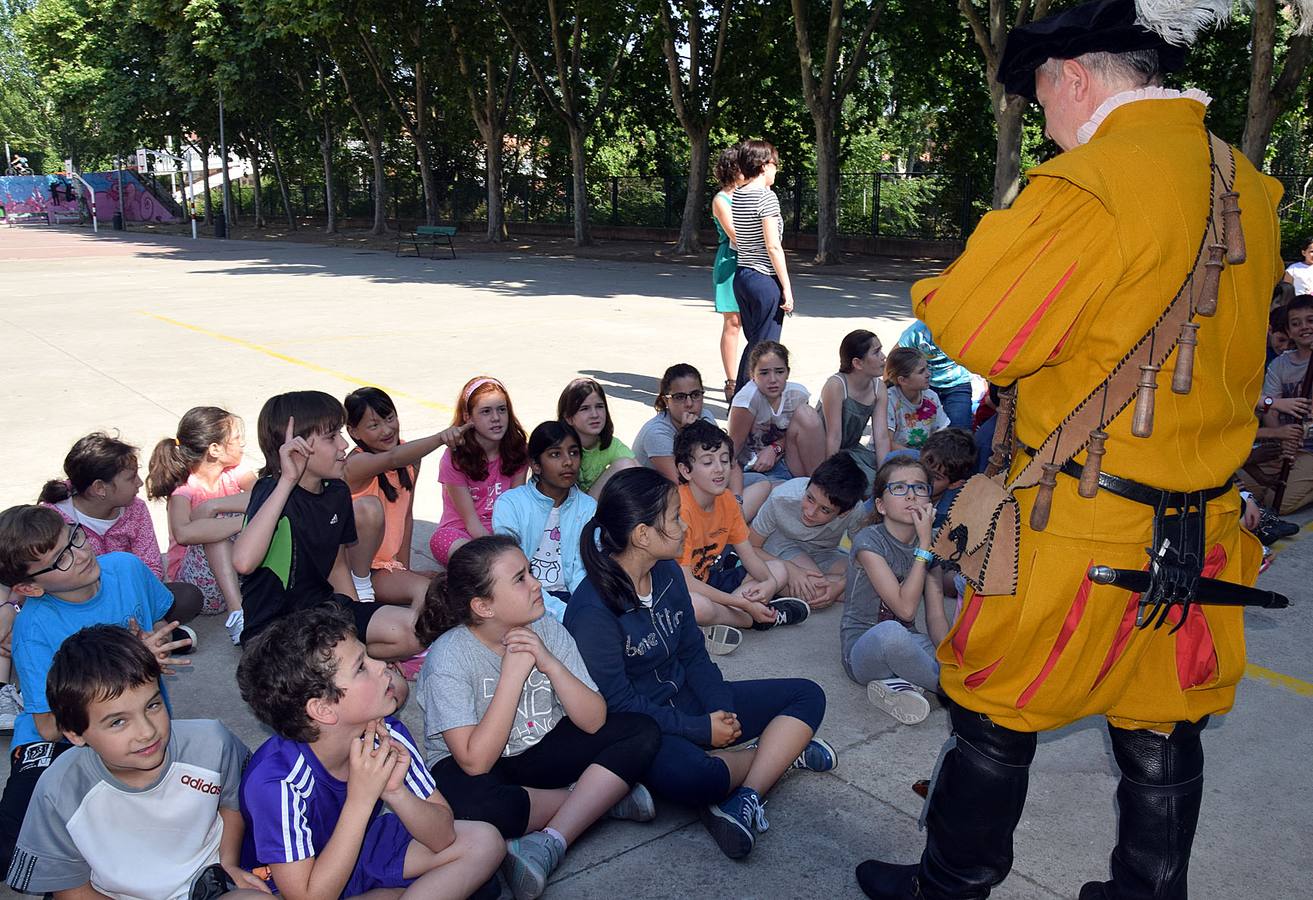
<point x="722" y="276"/>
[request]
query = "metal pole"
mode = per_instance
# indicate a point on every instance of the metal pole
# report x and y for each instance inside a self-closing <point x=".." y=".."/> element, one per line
<point x="223" y="151"/>
<point x="123" y="220"/>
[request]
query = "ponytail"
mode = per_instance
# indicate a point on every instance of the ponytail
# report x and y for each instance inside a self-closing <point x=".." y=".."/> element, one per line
<point x="175" y="458"/>
<point x="96" y="457"/>
<point x="632" y="497"/>
<point x="56" y="490"/>
<point x="468" y="575"/>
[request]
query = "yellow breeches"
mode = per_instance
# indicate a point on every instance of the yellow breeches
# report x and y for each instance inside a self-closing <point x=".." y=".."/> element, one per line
<point x="1064" y="648"/>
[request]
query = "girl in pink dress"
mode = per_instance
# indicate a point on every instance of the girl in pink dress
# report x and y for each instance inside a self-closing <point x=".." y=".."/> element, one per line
<point x="490" y="458"/>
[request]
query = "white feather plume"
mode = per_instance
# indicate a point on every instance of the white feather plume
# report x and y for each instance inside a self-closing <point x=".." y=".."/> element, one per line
<point x="1181" y="21"/>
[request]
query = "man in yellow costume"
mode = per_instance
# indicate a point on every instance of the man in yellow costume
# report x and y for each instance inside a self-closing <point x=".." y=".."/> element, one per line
<point x="1050" y="295"/>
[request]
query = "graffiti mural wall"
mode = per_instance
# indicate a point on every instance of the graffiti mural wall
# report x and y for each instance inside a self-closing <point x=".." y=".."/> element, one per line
<point x="57" y="196"/>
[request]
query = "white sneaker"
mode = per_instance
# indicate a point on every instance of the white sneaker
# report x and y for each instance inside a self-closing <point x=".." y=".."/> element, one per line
<point x="11" y="706"/>
<point x="901" y="699"/>
<point x="364" y="585"/>
<point x="235" y="622"/>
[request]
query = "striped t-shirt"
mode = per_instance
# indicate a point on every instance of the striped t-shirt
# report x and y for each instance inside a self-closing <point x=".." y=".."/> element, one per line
<point x="750" y="206"/>
<point x="291" y="803"/>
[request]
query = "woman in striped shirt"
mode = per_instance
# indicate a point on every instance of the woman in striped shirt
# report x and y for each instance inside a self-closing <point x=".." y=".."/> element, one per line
<point x="761" y="284"/>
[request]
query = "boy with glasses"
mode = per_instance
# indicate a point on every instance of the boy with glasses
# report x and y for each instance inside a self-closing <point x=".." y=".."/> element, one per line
<point x="66" y="588"/>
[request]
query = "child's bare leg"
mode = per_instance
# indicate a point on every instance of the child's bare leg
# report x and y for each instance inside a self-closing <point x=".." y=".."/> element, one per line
<point x="219" y="555"/>
<point x="729" y="344"/>
<point x="597" y="790"/>
<point x="739" y="763"/>
<point x="7" y="614"/>
<point x="708" y="612"/>
<point x="543" y="805"/>
<point x="400" y="587"/>
<point x="391" y="634"/>
<point x="369" y="534"/>
<point x="618" y="466"/>
<point x="460" y="869"/>
<point x="784" y="738"/>
<point x="754" y="495"/>
<point x="804" y="441"/>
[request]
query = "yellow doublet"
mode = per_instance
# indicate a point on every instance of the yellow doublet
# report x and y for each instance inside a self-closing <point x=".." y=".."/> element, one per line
<point x="1051" y="294"/>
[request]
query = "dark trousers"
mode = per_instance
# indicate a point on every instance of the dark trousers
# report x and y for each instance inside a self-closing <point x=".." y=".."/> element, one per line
<point x="685" y="773"/>
<point x="27" y="763"/>
<point x="625" y="746"/>
<point x="759" y="299"/>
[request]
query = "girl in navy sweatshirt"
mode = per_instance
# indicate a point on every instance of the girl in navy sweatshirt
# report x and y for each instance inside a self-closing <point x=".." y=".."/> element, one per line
<point x="632" y="620"/>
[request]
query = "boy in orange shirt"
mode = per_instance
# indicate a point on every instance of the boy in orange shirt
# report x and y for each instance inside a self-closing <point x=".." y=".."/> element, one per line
<point x="729" y="582"/>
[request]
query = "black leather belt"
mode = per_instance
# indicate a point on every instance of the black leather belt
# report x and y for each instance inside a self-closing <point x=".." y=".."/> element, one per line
<point x="1143" y="493"/>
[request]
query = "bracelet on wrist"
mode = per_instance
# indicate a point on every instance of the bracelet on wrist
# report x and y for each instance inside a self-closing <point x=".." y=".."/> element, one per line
<point x="924" y="555"/>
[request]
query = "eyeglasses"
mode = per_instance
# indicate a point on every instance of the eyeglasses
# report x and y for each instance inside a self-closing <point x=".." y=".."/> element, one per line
<point x="682" y="397"/>
<point x="77" y="538"/>
<point x="900" y="488"/>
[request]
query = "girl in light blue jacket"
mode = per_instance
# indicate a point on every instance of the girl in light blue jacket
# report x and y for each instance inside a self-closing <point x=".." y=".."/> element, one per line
<point x="547" y="515"/>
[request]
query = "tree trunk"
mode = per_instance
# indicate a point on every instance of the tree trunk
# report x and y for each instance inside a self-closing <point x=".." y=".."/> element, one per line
<point x="497" y="231"/>
<point x="282" y="182"/>
<point x="1268" y="98"/>
<point x="827" y="189"/>
<point x="695" y="195"/>
<point x="253" y="147"/>
<point x="204" y="149"/>
<point x="426" y="179"/>
<point x="578" y="153"/>
<point x="380" y="184"/>
<point x="1007" y="153"/>
<point x="326" y="149"/>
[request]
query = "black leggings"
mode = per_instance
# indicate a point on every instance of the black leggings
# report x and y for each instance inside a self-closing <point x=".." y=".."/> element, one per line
<point x="625" y="745"/>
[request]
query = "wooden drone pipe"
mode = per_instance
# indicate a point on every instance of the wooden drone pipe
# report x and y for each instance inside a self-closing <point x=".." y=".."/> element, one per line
<point x="1234" y="233"/>
<point x="1089" y="473"/>
<point x="1048" y="480"/>
<point x="1183" y="374"/>
<point x="1142" y="420"/>
<point x="1206" y="305"/>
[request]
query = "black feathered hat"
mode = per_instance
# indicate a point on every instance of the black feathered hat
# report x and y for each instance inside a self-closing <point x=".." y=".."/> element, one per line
<point x="1110" y="26"/>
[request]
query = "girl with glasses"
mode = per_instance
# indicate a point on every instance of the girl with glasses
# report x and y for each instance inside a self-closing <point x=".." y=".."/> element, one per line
<point x="891" y="573"/>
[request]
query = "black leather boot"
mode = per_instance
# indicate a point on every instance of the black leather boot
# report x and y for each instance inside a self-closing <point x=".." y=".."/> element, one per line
<point x="1158" y="800"/>
<point x="974" y="809"/>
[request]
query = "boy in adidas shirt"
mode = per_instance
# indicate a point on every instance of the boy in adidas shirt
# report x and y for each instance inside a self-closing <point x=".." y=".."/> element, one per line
<point x="312" y="796"/>
<point x="141" y="807"/>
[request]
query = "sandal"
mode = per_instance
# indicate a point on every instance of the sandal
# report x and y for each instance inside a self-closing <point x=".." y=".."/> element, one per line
<point x="722" y="640"/>
<point x="730" y="387"/>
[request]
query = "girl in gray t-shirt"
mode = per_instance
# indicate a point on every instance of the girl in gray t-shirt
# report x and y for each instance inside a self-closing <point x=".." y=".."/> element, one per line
<point x="890" y="575"/>
<point x="512" y="718"/>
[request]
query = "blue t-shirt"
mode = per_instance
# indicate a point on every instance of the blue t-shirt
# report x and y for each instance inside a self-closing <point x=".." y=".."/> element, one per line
<point x="944" y="372"/>
<point x="128" y="590"/>
<point x="291" y="803"/>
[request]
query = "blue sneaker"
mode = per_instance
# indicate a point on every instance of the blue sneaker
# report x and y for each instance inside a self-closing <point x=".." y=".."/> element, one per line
<point x="818" y="756"/>
<point x="734" y="823"/>
<point x="530" y="861"/>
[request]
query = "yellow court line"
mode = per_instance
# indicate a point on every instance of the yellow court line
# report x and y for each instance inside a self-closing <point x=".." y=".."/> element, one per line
<point x="1289" y="682"/>
<point x="305" y="364"/>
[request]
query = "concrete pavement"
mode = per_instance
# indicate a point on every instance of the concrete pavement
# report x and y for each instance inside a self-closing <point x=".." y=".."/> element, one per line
<point x="127" y="332"/>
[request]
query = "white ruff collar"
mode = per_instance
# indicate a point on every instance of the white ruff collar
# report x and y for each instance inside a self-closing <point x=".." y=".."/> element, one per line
<point x="1086" y="131"/>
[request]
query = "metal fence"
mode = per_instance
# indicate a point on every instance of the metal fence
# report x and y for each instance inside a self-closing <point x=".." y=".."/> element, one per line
<point x="927" y="205"/>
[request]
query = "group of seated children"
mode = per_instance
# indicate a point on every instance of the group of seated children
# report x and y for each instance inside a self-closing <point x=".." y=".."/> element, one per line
<point x="1284" y="441"/>
<point x="561" y="659"/>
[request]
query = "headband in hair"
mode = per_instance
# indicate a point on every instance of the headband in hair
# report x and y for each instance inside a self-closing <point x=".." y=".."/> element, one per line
<point x="478" y="383"/>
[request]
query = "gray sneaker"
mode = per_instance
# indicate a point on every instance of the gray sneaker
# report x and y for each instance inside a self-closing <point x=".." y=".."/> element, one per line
<point x="11" y="706"/>
<point x="636" y="806"/>
<point x="530" y="861"/>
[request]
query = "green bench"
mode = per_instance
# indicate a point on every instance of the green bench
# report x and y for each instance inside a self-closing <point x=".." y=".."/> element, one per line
<point x="434" y="236"/>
